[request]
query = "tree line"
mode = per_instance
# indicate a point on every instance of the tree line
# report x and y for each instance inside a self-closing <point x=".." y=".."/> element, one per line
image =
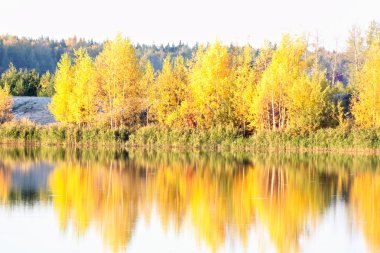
<point x="43" y="54"/>
<point x="26" y="64"/>
<point x="278" y="87"/>
<point x="26" y="82"/>
<point x="282" y="87"/>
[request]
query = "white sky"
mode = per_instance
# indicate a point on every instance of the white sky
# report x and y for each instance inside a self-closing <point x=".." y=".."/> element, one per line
<point x="169" y="21"/>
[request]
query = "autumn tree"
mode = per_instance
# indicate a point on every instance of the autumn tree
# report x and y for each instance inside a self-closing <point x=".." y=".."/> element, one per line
<point x="118" y="76"/>
<point x="83" y="99"/>
<point x="210" y="86"/>
<point x="292" y="93"/>
<point x="243" y="86"/>
<point x="149" y="88"/>
<point x="366" y="105"/>
<point x="263" y="60"/>
<point x="309" y="96"/>
<point x="5" y="104"/>
<point x="75" y="100"/>
<point x="308" y="103"/>
<point x="171" y="88"/>
<point x="271" y="98"/>
<point x="63" y="86"/>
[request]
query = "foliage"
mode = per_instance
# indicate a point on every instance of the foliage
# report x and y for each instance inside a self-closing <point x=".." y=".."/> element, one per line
<point x="170" y="89"/>
<point x="21" y="82"/>
<point x="63" y="86"/>
<point x="284" y="92"/>
<point x="366" y="106"/>
<point x="83" y="99"/>
<point x="46" y="86"/>
<point x="24" y="82"/>
<point x="5" y="104"/>
<point x="210" y="84"/>
<point x="119" y="81"/>
<point x="287" y="97"/>
<point x="270" y="106"/>
<point x="244" y="81"/>
<point x="43" y="54"/>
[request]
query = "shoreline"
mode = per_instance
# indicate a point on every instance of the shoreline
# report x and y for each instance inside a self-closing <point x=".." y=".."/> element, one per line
<point x="337" y="140"/>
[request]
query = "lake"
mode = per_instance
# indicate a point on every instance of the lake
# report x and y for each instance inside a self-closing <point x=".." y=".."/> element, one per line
<point x="86" y="200"/>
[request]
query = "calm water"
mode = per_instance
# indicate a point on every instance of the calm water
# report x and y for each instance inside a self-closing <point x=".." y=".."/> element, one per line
<point x="52" y="200"/>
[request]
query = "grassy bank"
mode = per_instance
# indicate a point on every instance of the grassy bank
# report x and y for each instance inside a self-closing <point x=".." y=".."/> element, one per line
<point x="216" y="138"/>
<point x="26" y="132"/>
<point x="229" y="138"/>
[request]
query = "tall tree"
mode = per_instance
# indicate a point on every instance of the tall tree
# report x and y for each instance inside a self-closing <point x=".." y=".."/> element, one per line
<point x="366" y="104"/>
<point x="271" y="96"/>
<point x="373" y="33"/>
<point x="243" y="86"/>
<point x="171" y="85"/>
<point x="63" y="86"/>
<point x="148" y="86"/>
<point x="83" y="99"/>
<point x="5" y="104"/>
<point x="263" y="60"/>
<point x="355" y="51"/>
<point x="119" y="75"/>
<point x="210" y="86"/>
<point x="308" y="102"/>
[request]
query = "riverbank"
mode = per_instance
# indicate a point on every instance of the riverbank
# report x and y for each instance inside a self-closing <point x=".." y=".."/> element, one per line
<point x="219" y="138"/>
<point x="342" y="140"/>
<point x="26" y="132"/>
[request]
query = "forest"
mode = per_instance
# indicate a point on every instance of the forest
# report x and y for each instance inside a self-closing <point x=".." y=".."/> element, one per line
<point x="27" y="65"/>
<point x="24" y="61"/>
<point x="295" y="86"/>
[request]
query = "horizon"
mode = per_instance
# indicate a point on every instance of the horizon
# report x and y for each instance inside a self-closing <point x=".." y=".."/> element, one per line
<point x="238" y="23"/>
<point x="340" y="47"/>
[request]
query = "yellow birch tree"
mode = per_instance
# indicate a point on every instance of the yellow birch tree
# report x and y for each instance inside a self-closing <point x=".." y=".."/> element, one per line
<point x="210" y="86"/>
<point x="119" y="79"/>
<point x="83" y="99"/>
<point x="149" y="89"/>
<point x="270" y="103"/>
<point x="171" y="91"/>
<point x="366" y="103"/>
<point x="63" y="86"/>
<point x="243" y="86"/>
<point x="6" y="102"/>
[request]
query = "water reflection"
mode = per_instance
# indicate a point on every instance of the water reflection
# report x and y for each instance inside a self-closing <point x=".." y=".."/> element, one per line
<point x="220" y="197"/>
<point x="365" y="202"/>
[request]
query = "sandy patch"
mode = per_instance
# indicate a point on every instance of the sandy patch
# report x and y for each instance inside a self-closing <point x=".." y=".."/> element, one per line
<point x="33" y="108"/>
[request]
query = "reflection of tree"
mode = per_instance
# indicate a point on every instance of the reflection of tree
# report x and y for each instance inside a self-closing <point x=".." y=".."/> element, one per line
<point x="217" y="201"/>
<point x="171" y="189"/>
<point x="219" y="194"/>
<point x="365" y="193"/>
<point x="210" y="206"/>
<point x="286" y="199"/>
<point x="89" y="194"/>
<point x="5" y="184"/>
<point x="290" y="201"/>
